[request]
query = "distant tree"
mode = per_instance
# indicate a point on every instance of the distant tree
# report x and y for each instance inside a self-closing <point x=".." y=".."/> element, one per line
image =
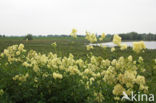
<point x="137" y="36"/>
<point x="28" y="37"/>
<point x="3" y="36"/>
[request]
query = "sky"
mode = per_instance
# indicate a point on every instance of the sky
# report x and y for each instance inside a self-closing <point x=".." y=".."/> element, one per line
<point x="42" y="17"/>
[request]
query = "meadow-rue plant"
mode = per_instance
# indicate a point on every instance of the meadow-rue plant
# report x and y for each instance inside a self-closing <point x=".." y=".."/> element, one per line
<point x="102" y="36"/>
<point x="89" y="47"/>
<point x="57" y="75"/>
<point x="67" y="79"/>
<point x="54" y="45"/>
<point x="91" y="37"/>
<point x="123" y="46"/>
<point x="74" y="33"/>
<point x="138" y="46"/>
<point x="117" y="39"/>
<point x="112" y="49"/>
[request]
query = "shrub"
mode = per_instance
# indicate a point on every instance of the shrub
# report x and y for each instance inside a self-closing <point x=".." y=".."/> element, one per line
<point x="28" y="37"/>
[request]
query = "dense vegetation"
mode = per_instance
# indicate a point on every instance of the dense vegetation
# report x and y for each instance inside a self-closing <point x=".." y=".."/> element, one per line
<point x="24" y="83"/>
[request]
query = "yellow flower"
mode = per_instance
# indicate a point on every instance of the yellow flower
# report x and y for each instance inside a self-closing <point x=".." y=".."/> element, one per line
<point x="89" y="47"/>
<point x="57" y="76"/>
<point x="130" y="58"/>
<point x="45" y="75"/>
<point x="140" y="60"/>
<point x="80" y="62"/>
<point x="73" y="33"/>
<point x="74" y="30"/>
<point x="35" y="79"/>
<point x="53" y="44"/>
<point x="117" y="98"/>
<point x="114" y="62"/>
<point x="18" y="53"/>
<point x="102" y="36"/>
<point x="21" y="78"/>
<point x="36" y="68"/>
<point x="128" y="78"/>
<point x="2" y="55"/>
<point x="6" y="52"/>
<point x="140" y="80"/>
<point x="92" y="79"/>
<point x="73" y="70"/>
<point x="15" y="77"/>
<point x="26" y="64"/>
<point x="21" y="47"/>
<point x="1" y="92"/>
<point x="142" y="87"/>
<point x="99" y="97"/>
<point x="138" y="46"/>
<point x="112" y="49"/>
<point x="123" y="47"/>
<point x="91" y="37"/>
<point x="14" y="47"/>
<point x="117" y="39"/>
<point x="118" y="89"/>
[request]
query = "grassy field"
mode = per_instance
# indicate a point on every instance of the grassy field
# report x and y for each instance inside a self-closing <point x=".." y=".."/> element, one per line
<point x="77" y="47"/>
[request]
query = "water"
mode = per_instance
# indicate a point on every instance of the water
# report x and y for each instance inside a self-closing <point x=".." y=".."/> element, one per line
<point x="149" y="44"/>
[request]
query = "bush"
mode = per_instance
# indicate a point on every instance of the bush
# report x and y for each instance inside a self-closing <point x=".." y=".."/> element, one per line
<point x="28" y="37"/>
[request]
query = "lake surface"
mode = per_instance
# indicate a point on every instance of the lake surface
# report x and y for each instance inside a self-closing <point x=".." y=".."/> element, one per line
<point x="149" y="44"/>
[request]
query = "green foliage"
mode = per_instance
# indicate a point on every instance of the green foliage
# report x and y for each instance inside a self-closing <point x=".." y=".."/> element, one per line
<point x="69" y="89"/>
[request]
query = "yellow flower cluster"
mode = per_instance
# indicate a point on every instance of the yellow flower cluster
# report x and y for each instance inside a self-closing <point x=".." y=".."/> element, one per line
<point x="138" y="46"/>
<point x="102" y="36"/>
<point x="57" y="76"/>
<point x="112" y="49"/>
<point x="123" y="73"/>
<point x="140" y="80"/>
<point x="130" y="58"/>
<point x="21" y="47"/>
<point x="13" y="53"/>
<point x="89" y="47"/>
<point x="53" y="44"/>
<point x="99" y="97"/>
<point x="91" y="37"/>
<point x="117" y="39"/>
<point x="123" y="47"/>
<point x="73" y="70"/>
<point x="118" y="89"/>
<point x="73" y="33"/>
<point x="21" y="77"/>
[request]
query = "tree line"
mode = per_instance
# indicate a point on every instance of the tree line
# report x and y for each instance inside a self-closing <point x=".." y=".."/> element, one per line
<point x="125" y="36"/>
<point x="137" y="36"/>
<point x="2" y="35"/>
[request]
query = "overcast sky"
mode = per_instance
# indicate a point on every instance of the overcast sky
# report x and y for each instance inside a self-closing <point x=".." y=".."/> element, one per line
<point x="19" y="17"/>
